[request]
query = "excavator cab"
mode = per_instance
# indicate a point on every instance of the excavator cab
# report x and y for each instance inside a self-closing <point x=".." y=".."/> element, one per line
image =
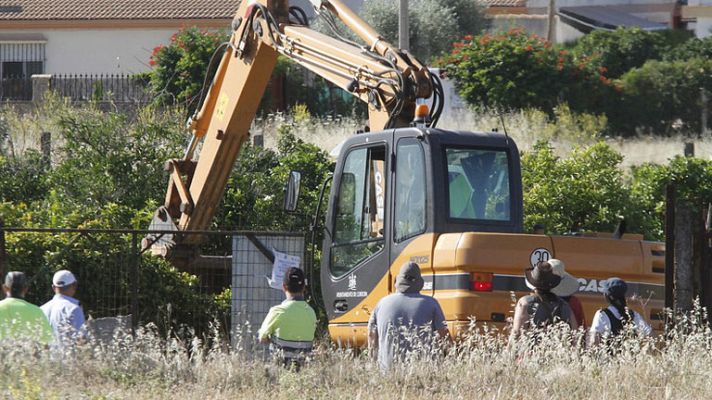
<point x="395" y="191"/>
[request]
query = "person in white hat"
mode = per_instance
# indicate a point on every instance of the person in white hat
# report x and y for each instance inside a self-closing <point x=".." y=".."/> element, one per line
<point x="567" y="289"/>
<point x="63" y="311"/>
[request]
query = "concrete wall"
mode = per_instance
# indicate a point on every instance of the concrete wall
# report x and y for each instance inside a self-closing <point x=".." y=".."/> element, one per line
<point x="100" y="51"/>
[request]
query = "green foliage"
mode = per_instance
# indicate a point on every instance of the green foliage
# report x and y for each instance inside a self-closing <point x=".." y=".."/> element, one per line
<point x="620" y="50"/>
<point x="583" y="192"/>
<point x="515" y="70"/>
<point x="692" y="178"/>
<point x="102" y="264"/>
<point x="434" y="25"/>
<point x="107" y="173"/>
<point x="179" y="68"/>
<point x="692" y="48"/>
<point x="664" y="96"/>
<point x="23" y="178"/>
<point x="112" y="157"/>
<point x="254" y="196"/>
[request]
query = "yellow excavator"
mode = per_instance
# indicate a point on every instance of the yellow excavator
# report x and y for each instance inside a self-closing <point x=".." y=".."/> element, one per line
<point x="450" y="201"/>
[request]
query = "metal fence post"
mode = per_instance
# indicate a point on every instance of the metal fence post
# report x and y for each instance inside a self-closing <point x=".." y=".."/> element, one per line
<point x="134" y="281"/>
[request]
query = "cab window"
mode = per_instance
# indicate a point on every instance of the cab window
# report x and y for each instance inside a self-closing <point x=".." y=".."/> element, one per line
<point x="359" y="213"/>
<point x="409" y="190"/>
<point x="478" y="182"/>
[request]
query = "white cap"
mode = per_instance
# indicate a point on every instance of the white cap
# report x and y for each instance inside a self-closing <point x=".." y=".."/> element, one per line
<point x="63" y="278"/>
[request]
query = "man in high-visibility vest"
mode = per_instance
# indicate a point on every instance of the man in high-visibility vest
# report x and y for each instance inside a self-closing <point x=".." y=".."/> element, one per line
<point x="290" y="326"/>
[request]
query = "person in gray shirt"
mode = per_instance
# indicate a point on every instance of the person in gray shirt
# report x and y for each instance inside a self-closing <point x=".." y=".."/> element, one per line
<point x="405" y="320"/>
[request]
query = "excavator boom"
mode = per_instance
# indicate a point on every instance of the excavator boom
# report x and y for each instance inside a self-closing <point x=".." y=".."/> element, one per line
<point x="387" y="79"/>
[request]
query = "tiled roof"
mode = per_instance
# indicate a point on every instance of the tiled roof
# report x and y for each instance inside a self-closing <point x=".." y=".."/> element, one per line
<point x="503" y="3"/>
<point x="34" y="10"/>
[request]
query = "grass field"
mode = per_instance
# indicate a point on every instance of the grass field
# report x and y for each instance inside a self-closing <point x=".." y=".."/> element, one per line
<point x="480" y="366"/>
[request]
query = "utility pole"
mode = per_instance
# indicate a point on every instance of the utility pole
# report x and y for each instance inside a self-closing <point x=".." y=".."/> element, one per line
<point x="550" y="22"/>
<point x="403" y="29"/>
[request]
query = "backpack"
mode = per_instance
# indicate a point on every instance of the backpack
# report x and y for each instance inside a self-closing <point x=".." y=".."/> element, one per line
<point x="544" y="312"/>
<point x="616" y="324"/>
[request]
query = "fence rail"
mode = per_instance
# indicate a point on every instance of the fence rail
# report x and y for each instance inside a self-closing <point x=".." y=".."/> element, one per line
<point x="118" y="88"/>
<point x="16" y="89"/>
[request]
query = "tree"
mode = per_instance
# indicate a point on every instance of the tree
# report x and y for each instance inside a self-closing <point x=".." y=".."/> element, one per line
<point x="434" y="25"/>
<point x="664" y="96"/>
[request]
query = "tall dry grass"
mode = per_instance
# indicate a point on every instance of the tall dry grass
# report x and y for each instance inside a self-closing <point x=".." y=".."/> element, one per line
<point x="481" y="365"/>
<point x="564" y="132"/>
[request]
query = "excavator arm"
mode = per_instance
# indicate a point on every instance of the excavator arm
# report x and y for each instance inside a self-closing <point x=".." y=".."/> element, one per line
<point x="387" y="79"/>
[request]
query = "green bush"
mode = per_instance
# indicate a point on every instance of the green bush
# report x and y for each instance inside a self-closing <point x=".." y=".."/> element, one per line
<point x="585" y="192"/>
<point x="664" y="96"/>
<point x="111" y="157"/>
<point x="102" y="264"/>
<point x="23" y="178"/>
<point x="620" y="50"/>
<point x="180" y="67"/>
<point x="515" y="70"/>
<point x="692" y="48"/>
<point x="691" y="176"/>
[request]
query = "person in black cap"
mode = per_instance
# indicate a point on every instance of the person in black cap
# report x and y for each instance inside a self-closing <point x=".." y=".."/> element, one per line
<point x="541" y="308"/>
<point x="609" y="322"/>
<point x="289" y="327"/>
<point x="402" y="314"/>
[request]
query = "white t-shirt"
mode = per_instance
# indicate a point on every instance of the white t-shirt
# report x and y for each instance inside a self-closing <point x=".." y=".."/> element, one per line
<point x="602" y="324"/>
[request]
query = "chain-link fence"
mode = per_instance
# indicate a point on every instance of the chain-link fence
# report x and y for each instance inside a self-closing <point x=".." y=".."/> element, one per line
<point x="123" y="283"/>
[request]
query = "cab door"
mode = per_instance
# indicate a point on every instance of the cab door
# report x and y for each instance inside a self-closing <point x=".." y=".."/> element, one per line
<point x="355" y="258"/>
<point x="411" y="202"/>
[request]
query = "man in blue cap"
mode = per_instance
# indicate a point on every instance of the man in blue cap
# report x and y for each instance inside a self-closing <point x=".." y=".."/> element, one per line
<point x="610" y="321"/>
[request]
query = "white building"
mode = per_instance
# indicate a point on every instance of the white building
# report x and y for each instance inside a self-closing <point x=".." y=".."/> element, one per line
<point x="96" y="36"/>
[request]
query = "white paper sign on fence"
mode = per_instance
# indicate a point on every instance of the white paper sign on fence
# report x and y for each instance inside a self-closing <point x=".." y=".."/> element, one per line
<point x="282" y="262"/>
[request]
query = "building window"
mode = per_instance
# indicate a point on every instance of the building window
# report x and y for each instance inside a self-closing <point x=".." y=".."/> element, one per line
<point x="21" y="58"/>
